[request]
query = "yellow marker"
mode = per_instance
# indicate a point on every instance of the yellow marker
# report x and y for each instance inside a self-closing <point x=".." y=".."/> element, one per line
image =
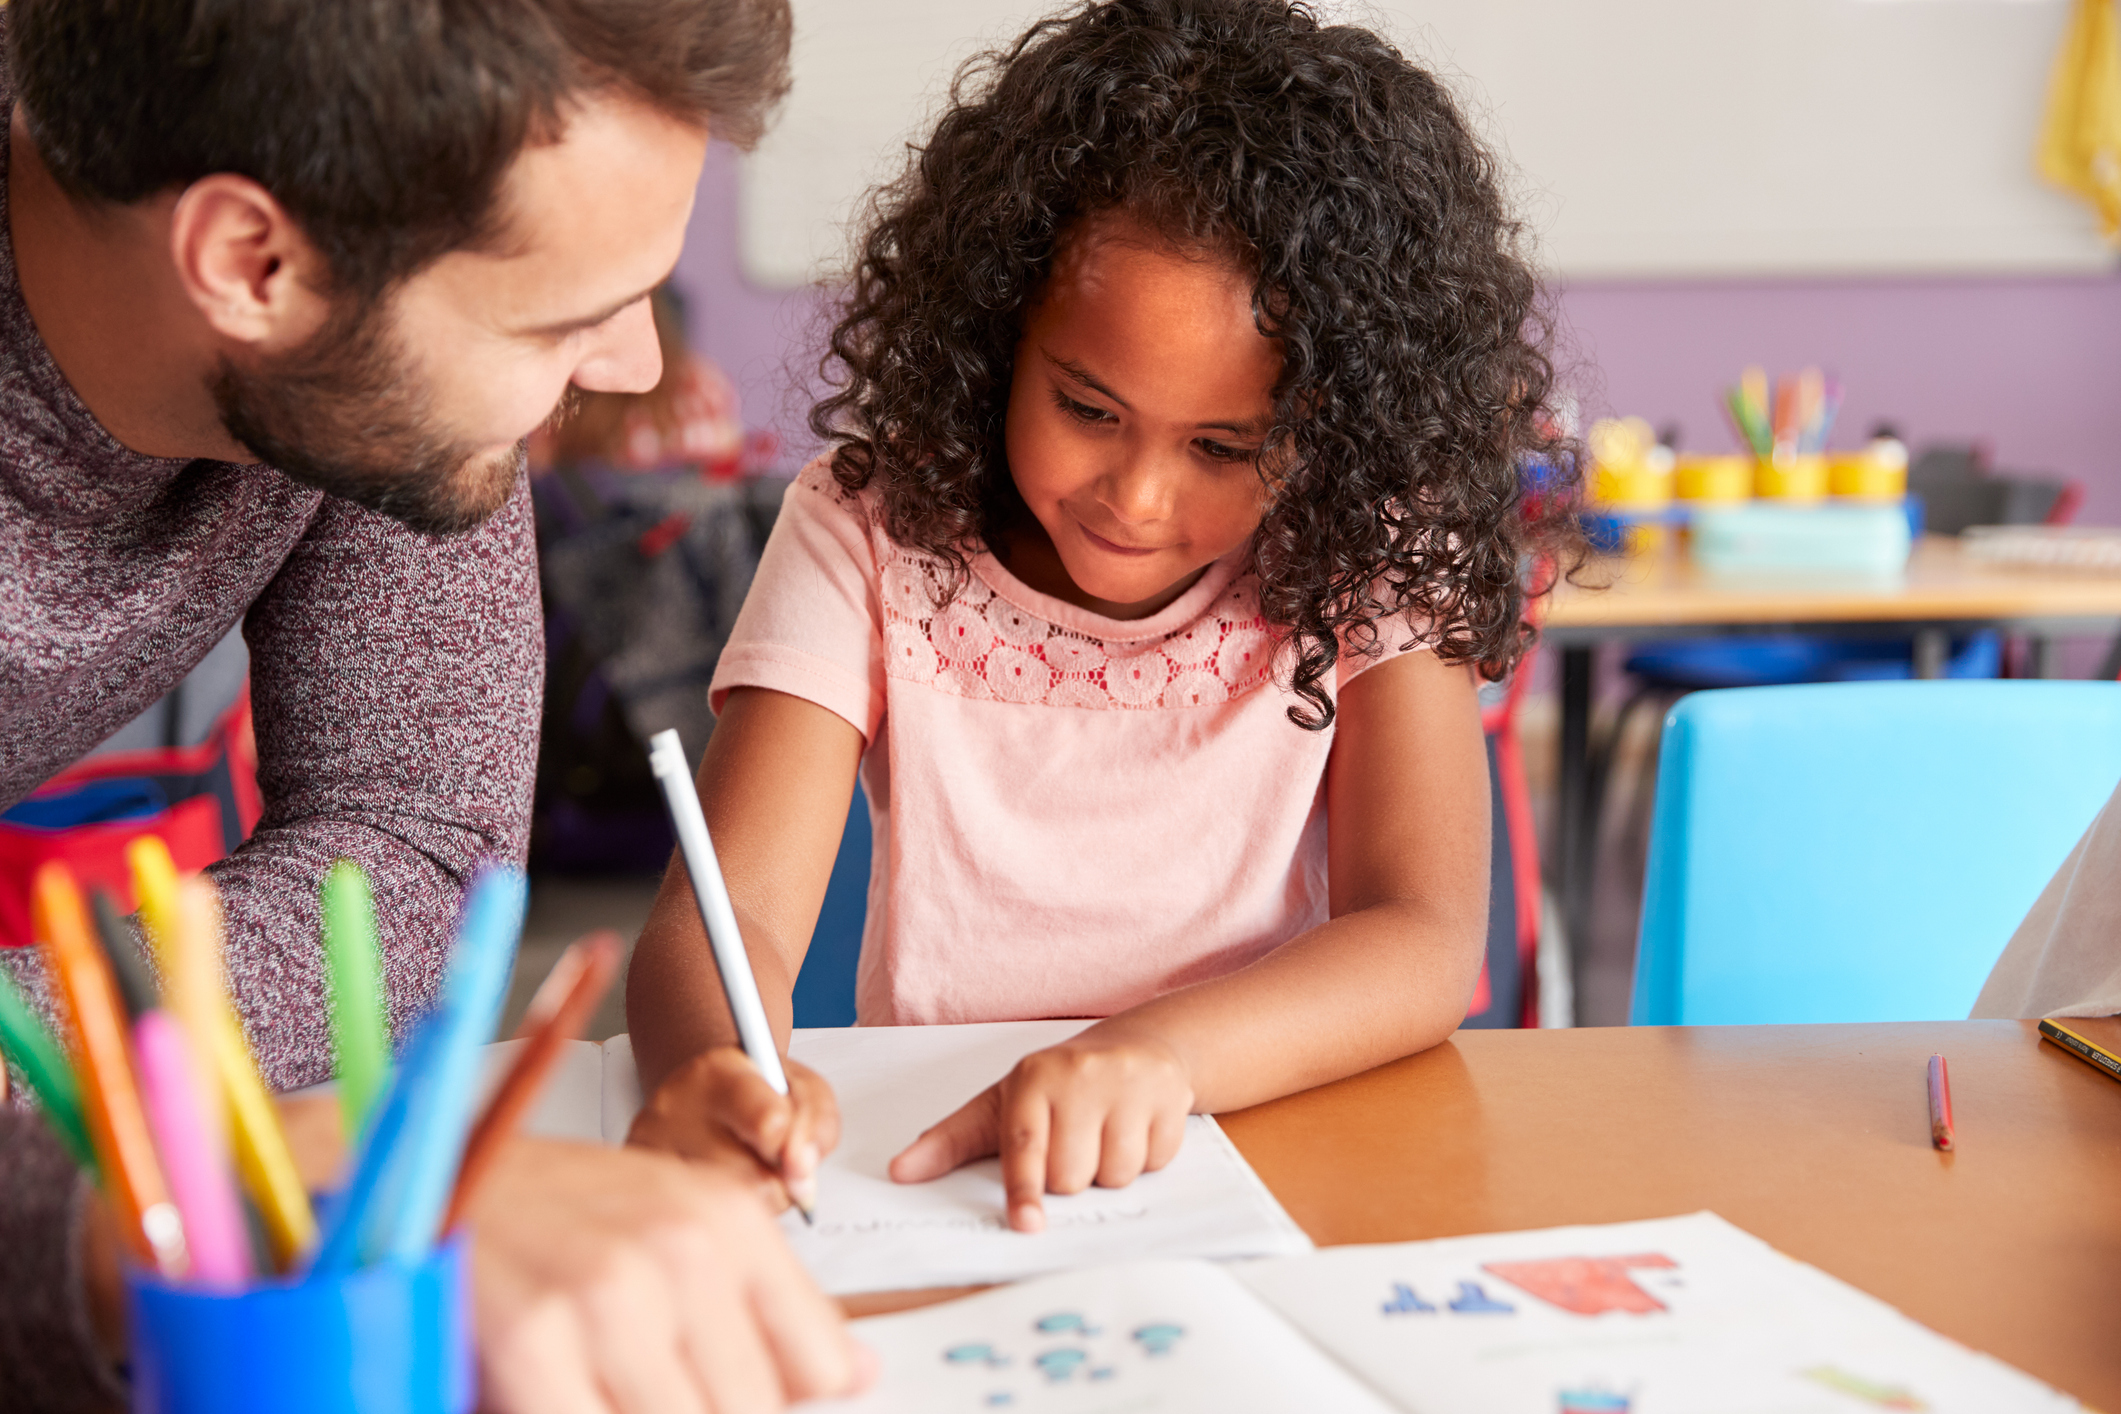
<point x="260" y="1146"/>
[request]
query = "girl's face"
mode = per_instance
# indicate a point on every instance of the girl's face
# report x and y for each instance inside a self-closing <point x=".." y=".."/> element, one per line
<point x="1141" y="396"/>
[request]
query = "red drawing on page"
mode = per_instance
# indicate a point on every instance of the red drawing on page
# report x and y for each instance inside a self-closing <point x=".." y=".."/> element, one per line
<point x="1586" y="1286"/>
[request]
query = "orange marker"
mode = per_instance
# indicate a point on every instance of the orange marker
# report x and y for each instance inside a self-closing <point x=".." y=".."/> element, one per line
<point x="117" y="1123"/>
<point x="1940" y="1104"/>
<point x="558" y="1012"/>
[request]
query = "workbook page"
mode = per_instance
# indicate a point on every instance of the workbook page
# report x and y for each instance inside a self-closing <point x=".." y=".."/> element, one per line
<point x="1136" y="1339"/>
<point x="876" y="1235"/>
<point x="1670" y="1316"/>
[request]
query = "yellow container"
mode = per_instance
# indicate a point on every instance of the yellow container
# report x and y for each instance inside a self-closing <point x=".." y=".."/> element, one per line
<point x="1635" y="486"/>
<point x="1790" y="478"/>
<point x="1862" y="477"/>
<point x="1714" y="479"/>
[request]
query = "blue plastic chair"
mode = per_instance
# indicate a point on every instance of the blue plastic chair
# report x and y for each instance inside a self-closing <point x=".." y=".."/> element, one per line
<point x="824" y="991"/>
<point x="1859" y="851"/>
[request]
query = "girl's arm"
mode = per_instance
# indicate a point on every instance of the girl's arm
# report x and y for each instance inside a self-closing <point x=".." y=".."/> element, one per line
<point x="775" y="785"/>
<point x="1407" y="801"/>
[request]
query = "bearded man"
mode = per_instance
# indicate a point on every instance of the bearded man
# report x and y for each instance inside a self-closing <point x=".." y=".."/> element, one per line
<point x="284" y="287"/>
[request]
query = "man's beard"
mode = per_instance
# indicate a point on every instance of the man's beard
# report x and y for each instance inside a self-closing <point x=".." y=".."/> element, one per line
<point x="343" y="414"/>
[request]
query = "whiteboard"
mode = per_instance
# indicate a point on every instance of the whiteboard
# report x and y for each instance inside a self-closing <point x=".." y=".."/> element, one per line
<point x="1648" y="138"/>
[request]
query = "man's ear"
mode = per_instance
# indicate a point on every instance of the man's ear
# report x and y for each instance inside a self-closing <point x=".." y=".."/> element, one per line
<point x="246" y="265"/>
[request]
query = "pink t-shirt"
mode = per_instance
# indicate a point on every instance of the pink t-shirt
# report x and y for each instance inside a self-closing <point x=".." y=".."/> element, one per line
<point x="1073" y="814"/>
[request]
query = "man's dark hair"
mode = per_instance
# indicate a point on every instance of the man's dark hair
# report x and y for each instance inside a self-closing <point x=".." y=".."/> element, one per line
<point x="384" y="127"/>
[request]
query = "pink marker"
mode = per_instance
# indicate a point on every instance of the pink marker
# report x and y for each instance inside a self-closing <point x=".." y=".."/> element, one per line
<point x="192" y="1155"/>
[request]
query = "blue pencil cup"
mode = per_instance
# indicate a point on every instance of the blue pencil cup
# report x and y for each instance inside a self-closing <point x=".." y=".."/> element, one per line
<point x="387" y="1337"/>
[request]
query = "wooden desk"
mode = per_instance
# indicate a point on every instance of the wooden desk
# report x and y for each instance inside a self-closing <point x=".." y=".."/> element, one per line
<point x="1813" y="1138"/>
<point x="1942" y="593"/>
<point x="1941" y="586"/>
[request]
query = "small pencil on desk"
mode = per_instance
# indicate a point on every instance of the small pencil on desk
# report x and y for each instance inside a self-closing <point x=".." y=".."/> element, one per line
<point x="666" y="757"/>
<point x="1940" y="1104"/>
<point x="2083" y="1047"/>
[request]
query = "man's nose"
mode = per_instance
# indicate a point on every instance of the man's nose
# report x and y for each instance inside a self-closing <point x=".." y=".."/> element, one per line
<point x="624" y="355"/>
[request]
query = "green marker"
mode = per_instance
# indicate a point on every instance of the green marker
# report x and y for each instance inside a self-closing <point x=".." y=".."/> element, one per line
<point x="360" y="1041"/>
<point x="30" y="1046"/>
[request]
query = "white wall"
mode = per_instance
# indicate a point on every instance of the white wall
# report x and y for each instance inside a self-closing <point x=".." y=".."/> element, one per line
<point x="1651" y="137"/>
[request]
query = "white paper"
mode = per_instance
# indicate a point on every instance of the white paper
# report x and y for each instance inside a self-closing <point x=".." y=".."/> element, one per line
<point x="875" y="1235"/>
<point x="567" y="1106"/>
<point x="1134" y="1339"/>
<point x="1669" y="1316"/>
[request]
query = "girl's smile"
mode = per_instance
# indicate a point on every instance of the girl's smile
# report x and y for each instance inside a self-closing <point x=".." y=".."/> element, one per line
<point x="1142" y="394"/>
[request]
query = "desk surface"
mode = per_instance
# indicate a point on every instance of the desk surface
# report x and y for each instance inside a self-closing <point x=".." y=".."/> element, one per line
<point x="1813" y="1138"/>
<point x="1941" y="585"/>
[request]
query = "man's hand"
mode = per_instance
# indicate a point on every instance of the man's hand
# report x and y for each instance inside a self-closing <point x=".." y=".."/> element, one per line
<point x="623" y="1282"/>
<point x="717" y="1110"/>
<point x="1105" y="1106"/>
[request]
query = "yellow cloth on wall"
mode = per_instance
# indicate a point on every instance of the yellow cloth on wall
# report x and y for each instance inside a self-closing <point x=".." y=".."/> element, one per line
<point x="2080" y="144"/>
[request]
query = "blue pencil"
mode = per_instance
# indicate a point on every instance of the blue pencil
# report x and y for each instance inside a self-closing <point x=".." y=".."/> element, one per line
<point x="393" y="1208"/>
<point x="345" y="1216"/>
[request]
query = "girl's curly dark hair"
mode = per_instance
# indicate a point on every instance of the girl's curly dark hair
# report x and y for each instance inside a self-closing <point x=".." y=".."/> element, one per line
<point x="1384" y="259"/>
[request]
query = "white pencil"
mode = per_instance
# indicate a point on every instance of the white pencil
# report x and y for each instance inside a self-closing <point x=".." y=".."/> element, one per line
<point x="666" y="757"/>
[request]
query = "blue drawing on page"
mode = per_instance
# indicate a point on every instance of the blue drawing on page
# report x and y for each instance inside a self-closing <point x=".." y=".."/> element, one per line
<point x="1103" y="1372"/>
<point x="1472" y="1301"/>
<point x="1064" y="1323"/>
<point x="1001" y="1398"/>
<point x="1159" y="1339"/>
<point x="1404" y="1301"/>
<point x="975" y="1354"/>
<point x="1061" y="1363"/>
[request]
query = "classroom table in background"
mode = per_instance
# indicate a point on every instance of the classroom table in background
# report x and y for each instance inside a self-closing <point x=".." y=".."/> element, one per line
<point x="1942" y="594"/>
<point x="1814" y="1139"/>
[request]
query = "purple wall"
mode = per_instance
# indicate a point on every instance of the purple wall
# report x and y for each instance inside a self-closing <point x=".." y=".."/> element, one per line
<point x="2031" y="365"/>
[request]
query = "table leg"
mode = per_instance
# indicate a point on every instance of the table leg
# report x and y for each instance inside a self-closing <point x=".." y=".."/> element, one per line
<point x="1574" y="832"/>
<point x="1932" y="648"/>
<point x="2046" y="656"/>
<point x="2110" y="665"/>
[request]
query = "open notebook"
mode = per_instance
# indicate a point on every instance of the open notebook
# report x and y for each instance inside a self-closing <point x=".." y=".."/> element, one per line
<point x="876" y="1235"/>
<point x="1669" y="1316"/>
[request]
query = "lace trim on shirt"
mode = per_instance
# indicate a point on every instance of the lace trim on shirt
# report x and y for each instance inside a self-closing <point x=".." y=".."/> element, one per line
<point x="983" y="647"/>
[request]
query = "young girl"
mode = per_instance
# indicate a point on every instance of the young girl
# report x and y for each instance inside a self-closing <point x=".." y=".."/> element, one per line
<point x="1172" y="510"/>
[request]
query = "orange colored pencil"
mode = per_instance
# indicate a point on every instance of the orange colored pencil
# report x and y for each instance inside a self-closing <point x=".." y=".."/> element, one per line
<point x="117" y="1122"/>
<point x="559" y="1011"/>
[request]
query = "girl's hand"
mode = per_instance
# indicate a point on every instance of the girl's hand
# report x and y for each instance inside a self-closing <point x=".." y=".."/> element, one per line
<point x="1105" y="1106"/>
<point x="717" y="1109"/>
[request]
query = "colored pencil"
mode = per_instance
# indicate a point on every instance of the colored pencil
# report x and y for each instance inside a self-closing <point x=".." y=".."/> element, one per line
<point x="155" y="887"/>
<point x="354" y="1211"/>
<point x="360" y="1039"/>
<point x="136" y="985"/>
<point x="191" y="1152"/>
<point x="1940" y="1087"/>
<point x="710" y="892"/>
<point x="263" y="1161"/>
<point x="117" y="1125"/>
<point x="562" y="1007"/>
<point x="26" y="1042"/>
<point x="195" y="995"/>
<point x="2083" y="1047"/>
<point x="407" y="1166"/>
